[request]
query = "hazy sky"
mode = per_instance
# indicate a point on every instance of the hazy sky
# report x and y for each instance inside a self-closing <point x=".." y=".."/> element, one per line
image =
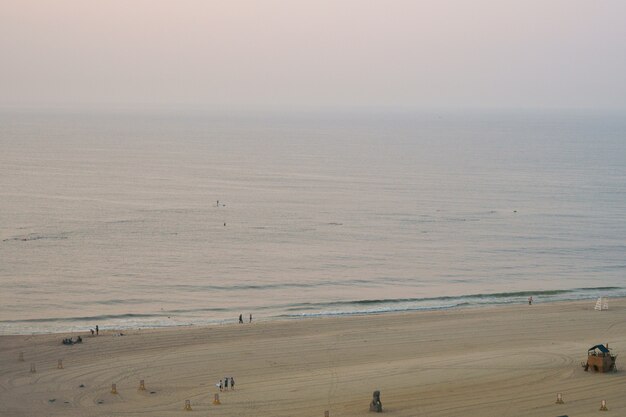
<point x="311" y="53"/>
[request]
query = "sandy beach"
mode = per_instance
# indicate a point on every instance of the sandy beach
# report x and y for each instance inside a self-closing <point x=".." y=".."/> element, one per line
<point x="492" y="361"/>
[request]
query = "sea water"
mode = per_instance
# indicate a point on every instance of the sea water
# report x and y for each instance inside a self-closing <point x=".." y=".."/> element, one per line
<point x="164" y="218"/>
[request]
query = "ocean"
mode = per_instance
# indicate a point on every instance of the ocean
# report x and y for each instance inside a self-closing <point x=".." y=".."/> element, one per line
<point x="165" y="218"/>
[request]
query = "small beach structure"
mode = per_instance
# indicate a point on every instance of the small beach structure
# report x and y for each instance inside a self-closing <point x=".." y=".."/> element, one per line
<point x="600" y="359"/>
<point x="602" y="304"/>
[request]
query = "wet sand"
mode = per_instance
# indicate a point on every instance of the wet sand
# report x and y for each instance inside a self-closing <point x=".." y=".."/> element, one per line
<point x="492" y="361"/>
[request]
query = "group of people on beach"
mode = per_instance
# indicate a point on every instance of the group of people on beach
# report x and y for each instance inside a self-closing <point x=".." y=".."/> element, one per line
<point x="70" y="341"/>
<point x="223" y="384"/>
<point x="241" y="318"/>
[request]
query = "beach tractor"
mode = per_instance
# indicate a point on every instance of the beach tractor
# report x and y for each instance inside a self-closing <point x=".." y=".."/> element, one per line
<point x="600" y="359"/>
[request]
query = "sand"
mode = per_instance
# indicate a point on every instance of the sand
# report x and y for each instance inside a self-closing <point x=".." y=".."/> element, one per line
<point x="492" y="361"/>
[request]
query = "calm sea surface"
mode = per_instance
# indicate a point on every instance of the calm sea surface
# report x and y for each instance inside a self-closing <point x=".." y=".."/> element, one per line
<point x="112" y="218"/>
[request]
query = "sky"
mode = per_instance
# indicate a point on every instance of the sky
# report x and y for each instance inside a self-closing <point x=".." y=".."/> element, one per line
<point x="314" y="53"/>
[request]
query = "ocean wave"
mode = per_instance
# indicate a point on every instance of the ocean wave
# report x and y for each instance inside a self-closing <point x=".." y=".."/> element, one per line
<point x="487" y="296"/>
<point x="269" y="286"/>
<point x="365" y="306"/>
<point x="373" y="311"/>
<point x="35" y="236"/>
<point x="87" y="318"/>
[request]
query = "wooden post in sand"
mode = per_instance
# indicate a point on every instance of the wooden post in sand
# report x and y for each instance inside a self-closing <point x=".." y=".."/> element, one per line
<point x="187" y="405"/>
<point x="21" y="357"/>
<point x="60" y="364"/>
<point x="216" y="399"/>
<point x="113" y="389"/>
<point x="603" y="406"/>
<point x="142" y="385"/>
<point x="32" y="368"/>
<point x="559" y="398"/>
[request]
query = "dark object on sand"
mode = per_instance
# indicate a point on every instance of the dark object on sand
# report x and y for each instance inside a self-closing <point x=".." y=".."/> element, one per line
<point x="376" y="405"/>
<point x="69" y="341"/>
<point x="600" y="359"/>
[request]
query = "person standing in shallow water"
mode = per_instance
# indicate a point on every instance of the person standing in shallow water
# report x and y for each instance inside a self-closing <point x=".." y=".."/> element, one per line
<point x="250" y="317"/>
<point x="97" y="330"/>
<point x="241" y="318"/>
<point x="530" y="300"/>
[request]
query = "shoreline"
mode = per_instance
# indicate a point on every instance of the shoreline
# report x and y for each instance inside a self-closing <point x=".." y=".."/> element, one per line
<point x="305" y="316"/>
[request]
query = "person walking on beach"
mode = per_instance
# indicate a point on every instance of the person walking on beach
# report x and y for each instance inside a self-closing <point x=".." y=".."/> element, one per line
<point x="97" y="330"/>
<point x="221" y="386"/>
<point x="250" y="317"/>
<point x="241" y="318"/>
<point x="232" y="383"/>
